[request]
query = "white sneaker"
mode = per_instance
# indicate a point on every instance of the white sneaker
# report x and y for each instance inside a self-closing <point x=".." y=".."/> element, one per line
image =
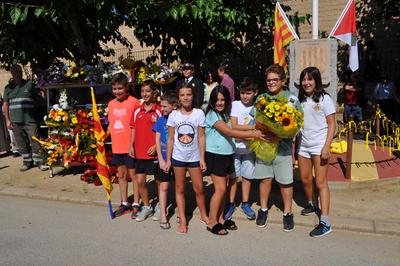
<point x="145" y="213"/>
<point x="157" y="213"/>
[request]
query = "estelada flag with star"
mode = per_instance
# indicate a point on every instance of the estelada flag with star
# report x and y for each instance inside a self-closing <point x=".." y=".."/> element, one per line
<point x="283" y="35"/>
<point x="345" y="30"/>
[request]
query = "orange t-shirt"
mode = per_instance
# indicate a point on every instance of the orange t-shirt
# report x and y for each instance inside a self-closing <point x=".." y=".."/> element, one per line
<point x="119" y="117"/>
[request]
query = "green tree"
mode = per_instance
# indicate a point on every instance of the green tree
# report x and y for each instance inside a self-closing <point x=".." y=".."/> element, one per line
<point x="38" y="31"/>
<point x="203" y="30"/>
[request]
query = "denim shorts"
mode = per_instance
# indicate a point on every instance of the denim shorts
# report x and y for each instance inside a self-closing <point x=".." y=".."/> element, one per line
<point x="245" y="165"/>
<point x="307" y="152"/>
<point x="177" y="163"/>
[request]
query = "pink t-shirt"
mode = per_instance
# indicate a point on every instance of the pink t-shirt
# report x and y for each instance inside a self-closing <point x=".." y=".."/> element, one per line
<point x="119" y="117"/>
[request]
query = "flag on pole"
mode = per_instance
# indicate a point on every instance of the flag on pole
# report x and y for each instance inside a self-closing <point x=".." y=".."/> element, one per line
<point x="345" y="30"/>
<point x="102" y="166"/>
<point x="283" y="35"/>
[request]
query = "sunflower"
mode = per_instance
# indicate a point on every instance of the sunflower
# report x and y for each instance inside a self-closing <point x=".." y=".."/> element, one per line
<point x="288" y="122"/>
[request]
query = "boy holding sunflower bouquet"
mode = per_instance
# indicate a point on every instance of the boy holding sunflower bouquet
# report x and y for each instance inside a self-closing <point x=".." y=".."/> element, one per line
<point x="278" y="114"/>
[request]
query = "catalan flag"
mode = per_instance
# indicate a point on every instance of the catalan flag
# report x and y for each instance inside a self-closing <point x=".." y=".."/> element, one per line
<point x="102" y="166"/>
<point x="283" y="35"/>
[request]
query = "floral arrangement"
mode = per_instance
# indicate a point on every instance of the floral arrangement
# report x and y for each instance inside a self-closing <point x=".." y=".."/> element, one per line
<point x="279" y="116"/>
<point x="160" y="74"/>
<point x="90" y="174"/>
<point x="60" y="72"/>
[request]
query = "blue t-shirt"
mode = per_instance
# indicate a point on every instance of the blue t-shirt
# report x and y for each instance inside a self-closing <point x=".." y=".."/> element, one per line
<point x="161" y="127"/>
<point x="215" y="141"/>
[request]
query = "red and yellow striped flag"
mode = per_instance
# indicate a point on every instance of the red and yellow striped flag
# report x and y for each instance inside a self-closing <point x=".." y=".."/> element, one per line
<point x="102" y="166"/>
<point x="283" y="35"/>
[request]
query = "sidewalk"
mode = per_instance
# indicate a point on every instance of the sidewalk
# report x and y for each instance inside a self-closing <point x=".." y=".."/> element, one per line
<point x="370" y="206"/>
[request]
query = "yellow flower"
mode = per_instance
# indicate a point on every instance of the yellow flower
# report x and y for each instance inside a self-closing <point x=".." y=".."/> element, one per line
<point x="269" y="115"/>
<point x="289" y="110"/>
<point x="277" y="107"/>
<point x="288" y="122"/>
<point x="74" y="120"/>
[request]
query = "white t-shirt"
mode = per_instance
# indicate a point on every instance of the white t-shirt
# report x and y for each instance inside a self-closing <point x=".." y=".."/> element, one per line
<point x="315" y="128"/>
<point x="186" y="143"/>
<point x="242" y="113"/>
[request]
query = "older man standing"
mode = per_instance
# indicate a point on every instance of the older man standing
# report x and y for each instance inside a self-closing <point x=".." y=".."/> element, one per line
<point x="197" y="84"/>
<point x="227" y="81"/>
<point x="20" y="114"/>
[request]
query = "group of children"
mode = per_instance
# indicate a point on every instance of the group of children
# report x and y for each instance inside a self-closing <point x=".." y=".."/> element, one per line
<point x="171" y="138"/>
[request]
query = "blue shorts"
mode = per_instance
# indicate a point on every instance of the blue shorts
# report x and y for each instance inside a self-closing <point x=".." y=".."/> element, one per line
<point x="123" y="159"/>
<point x="177" y="163"/>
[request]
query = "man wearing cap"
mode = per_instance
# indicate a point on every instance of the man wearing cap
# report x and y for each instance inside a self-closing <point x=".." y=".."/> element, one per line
<point x="197" y="84"/>
<point x="19" y="109"/>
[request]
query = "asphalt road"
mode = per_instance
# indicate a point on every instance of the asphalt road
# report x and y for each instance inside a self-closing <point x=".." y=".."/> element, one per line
<point x="38" y="232"/>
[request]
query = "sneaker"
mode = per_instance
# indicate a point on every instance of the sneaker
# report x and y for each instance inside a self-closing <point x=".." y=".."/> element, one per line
<point x="288" y="224"/>
<point x="145" y="213"/>
<point x="230" y="209"/>
<point x="320" y="230"/>
<point x="25" y="167"/>
<point x="262" y="216"/>
<point x="43" y="167"/>
<point x="157" y="213"/>
<point x="135" y="211"/>
<point x="308" y="210"/>
<point x="248" y="211"/>
<point x="122" y="209"/>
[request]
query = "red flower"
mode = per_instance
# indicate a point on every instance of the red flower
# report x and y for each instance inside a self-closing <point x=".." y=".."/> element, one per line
<point x="97" y="182"/>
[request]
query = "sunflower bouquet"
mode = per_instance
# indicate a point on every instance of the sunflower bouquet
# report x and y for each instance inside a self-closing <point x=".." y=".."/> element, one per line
<point x="279" y="116"/>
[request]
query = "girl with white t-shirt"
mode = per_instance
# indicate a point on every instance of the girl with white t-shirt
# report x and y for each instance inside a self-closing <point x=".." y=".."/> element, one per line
<point x="314" y="144"/>
<point x="186" y="151"/>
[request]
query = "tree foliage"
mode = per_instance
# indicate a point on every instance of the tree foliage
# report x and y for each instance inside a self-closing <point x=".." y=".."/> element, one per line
<point x="197" y="30"/>
<point x="38" y="31"/>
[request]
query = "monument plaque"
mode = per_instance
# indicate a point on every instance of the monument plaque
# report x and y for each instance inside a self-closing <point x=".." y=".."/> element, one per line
<point x="320" y="53"/>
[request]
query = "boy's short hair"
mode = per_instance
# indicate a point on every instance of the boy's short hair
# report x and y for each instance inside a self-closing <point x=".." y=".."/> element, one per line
<point x="120" y="78"/>
<point x="153" y="86"/>
<point x="277" y="69"/>
<point x="170" y="97"/>
<point x="248" y="85"/>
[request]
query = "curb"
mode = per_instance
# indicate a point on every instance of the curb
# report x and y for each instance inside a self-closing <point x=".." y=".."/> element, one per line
<point x="338" y="185"/>
<point x="338" y="223"/>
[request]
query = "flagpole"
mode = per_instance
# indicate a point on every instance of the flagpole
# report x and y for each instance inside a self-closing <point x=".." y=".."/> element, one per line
<point x="340" y="18"/>
<point x="111" y="209"/>
<point x="315" y="16"/>
<point x="287" y="21"/>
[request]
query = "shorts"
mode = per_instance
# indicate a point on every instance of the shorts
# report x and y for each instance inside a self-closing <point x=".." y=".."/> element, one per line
<point x="307" y="152"/>
<point x="123" y="159"/>
<point x="162" y="176"/>
<point x="146" y="166"/>
<point x="245" y="165"/>
<point x="280" y="168"/>
<point x="177" y="163"/>
<point x="220" y="165"/>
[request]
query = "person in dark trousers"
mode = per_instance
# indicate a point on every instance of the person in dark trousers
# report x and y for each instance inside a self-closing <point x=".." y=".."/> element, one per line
<point x="20" y="97"/>
<point x="195" y="83"/>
